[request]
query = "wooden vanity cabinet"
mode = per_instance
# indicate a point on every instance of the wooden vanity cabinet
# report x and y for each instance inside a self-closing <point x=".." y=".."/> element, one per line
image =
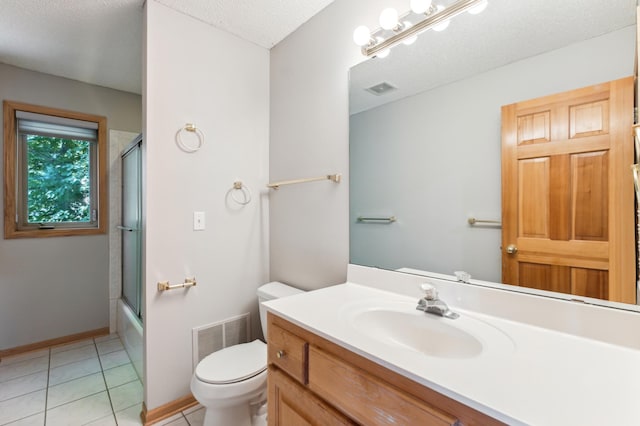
<point x="315" y="382"/>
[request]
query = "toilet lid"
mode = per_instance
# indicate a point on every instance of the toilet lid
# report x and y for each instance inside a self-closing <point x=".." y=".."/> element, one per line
<point x="233" y="364"/>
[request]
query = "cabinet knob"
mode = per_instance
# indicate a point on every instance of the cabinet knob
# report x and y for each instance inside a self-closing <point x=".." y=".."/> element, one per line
<point x="280" y="354"/>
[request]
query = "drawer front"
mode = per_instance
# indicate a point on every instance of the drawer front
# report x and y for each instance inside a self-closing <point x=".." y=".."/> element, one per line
<point x="365" y="398"/>
<point x="288" y="352"/>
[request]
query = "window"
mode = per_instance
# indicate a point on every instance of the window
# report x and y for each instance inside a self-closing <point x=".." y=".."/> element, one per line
<point x="54" y="172"/>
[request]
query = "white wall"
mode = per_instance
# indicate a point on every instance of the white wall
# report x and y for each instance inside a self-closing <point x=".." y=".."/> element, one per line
<point x="54" y="287"/>
<point x="198" y="74"/>
<point x="435" y="169"/>
<point x="309" y="225"/>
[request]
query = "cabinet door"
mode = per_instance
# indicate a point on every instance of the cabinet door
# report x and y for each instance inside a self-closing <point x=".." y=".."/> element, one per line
<point x="366" y="398"/>
<point x="292" y="405"/>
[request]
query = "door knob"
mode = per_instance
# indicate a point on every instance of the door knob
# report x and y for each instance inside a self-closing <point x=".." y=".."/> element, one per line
<point x="512" y="249"/>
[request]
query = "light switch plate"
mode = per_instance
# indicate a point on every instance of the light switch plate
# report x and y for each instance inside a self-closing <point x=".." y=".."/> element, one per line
<point x="198" y="221"/>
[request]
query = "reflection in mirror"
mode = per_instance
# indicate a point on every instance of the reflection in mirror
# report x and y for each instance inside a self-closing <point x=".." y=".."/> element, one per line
<point x="427" y="151"/>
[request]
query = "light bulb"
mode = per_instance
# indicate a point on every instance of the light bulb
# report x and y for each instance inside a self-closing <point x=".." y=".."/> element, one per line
<point x="420" y="6"/>
<point x="362" y="35"/>
<point x="389" y="18"/>
<point x="410" y="40"/>
<point x="442" y="25"/>
<point x="383" y="53"/>
<point x="479" y="8"/>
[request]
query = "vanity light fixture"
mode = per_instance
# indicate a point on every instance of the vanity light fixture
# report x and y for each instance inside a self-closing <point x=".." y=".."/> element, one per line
<point x="396" y="29"/>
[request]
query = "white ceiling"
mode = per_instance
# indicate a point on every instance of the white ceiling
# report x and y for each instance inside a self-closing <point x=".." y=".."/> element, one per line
<point x="100" y="41"/>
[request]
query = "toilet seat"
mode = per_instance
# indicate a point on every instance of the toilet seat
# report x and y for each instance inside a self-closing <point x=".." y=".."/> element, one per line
<point x="233" y="364"/>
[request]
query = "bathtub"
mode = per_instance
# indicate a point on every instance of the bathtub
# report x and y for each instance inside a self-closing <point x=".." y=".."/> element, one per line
<point x="129" y="328"/>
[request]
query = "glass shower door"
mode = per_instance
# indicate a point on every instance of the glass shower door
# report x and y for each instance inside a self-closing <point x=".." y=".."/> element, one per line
<point x="131" y="225"/>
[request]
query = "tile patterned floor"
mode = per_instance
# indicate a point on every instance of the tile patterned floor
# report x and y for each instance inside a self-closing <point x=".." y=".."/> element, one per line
<point x="90" y="382"/>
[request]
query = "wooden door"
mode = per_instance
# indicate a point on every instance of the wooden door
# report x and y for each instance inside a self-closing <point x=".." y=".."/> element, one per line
<point x="567" y="192"/>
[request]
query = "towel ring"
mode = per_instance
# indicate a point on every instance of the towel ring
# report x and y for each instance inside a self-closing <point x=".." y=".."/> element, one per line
<point x="246" y="193"/>
<point x="189" y="127"/>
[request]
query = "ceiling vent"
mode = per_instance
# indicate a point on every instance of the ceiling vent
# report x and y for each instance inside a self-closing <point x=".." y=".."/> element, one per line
<point x="381" y="89"/>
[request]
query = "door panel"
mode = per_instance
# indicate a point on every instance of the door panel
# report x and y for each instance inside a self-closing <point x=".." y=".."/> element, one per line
<point x="567" y="193"/>
<point x="590" y="178"/>
<point x="589" y="119"/>
<point x="589" y="283"/>
<point x="534" y="204"/>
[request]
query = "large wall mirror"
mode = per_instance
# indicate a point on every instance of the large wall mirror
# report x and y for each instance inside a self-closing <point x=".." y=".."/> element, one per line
<point x="425" y="129"/>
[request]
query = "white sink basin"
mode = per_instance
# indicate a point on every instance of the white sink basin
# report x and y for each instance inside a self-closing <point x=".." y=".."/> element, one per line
<point x="400" y="325"/>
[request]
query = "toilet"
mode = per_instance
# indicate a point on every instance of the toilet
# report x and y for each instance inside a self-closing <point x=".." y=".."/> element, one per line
<point x="232" y="383"/>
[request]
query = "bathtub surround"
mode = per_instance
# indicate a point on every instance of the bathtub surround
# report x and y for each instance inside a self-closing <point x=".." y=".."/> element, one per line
<point x="198" y="74"/>
<point x="131" y="334"/>
<point x="67" y="292"/>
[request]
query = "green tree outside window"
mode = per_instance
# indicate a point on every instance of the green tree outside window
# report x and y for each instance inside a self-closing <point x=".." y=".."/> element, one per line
<point x="58" y="180"/>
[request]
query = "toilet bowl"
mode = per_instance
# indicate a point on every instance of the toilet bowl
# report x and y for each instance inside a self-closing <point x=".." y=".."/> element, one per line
<point x="232" y="383"/>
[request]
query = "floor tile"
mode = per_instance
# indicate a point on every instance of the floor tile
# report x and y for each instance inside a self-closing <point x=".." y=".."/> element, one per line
<point x="114" y="359"/>
<point x="75" y="389"/>
<point x="23" y="368"/>
<point x="109" y="420"/>
<point x="130" y="416"/>
<point x="178" y="422"/>
<point x="126" y="395"/>
<point x="22" y="357"/>
<point x="120" y="375"/>
<point x="107" y="337"/>
<point x="196" y="418"/>
<point x="80" y="412"/>
<point x="74" y="345"/>
<point x="22" y="406"/>
<point x="23" y="385"/>
<point x="192" y="409"/>
<point x="109" y="346"/>
<point x="35" y="420"/>
<point x="73" y="355"/>
<point x="172" y="419"/>
<point x="73" y="370"/>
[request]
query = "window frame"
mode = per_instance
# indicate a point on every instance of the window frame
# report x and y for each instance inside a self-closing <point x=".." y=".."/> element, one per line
<point x="13" y="175"/>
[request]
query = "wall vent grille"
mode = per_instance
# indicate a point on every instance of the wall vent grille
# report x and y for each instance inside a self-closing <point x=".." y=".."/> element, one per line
<point x="212" y="337"/>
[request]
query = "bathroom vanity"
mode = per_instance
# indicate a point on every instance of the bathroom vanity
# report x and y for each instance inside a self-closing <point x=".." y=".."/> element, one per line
<point x="358" y="353"/>
<point x="313" y="381"/>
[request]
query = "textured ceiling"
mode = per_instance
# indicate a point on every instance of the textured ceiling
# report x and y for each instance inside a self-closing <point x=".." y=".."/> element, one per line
<point x="95" y="41"/>
<point x="263" y="22"/>
<point x="507" y="31"/>
<point x="100" y="41"/>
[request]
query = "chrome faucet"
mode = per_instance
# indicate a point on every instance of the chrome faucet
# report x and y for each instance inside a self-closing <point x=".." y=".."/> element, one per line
<point x="431" y="304"/>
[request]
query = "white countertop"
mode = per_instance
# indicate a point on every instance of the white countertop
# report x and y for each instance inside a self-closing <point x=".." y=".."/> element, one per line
<point x="545" y="377"/>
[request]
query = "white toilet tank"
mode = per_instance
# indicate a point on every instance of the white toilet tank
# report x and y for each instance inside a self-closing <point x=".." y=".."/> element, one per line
<point x="270" y="291"/>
